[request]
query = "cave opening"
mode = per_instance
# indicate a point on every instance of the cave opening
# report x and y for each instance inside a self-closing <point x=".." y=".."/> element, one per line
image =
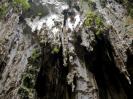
<point x="111" y="83"/>
<point x="51" y="80"/>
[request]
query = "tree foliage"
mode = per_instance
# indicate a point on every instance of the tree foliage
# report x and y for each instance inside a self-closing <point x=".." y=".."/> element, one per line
<point x="23" y="3"/>
<point x="94" y="22"/>
<point x="3" y="9"/>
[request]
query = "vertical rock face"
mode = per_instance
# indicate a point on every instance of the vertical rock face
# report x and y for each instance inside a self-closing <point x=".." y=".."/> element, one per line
<point x="67" y="49"/>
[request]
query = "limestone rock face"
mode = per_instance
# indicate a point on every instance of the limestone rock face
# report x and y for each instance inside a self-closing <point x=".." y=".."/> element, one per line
<point x="67" y="49"/>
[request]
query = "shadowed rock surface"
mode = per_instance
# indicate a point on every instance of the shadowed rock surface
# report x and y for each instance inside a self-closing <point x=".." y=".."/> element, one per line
<point x="66" y="49"/>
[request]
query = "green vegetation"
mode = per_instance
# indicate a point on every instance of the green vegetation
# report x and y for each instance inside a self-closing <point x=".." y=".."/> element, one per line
<point x="27" y="81"/>
<point x="17" y="5"/>
<point x="131" y="12"/>
<point x="91" y="4"/>
<point x="89" y="19"/>
<point x="55" y="50"/>
<point x="3" y="9"/>
<point x="94" y="22"/>
<point x="27" y="90"/>
<point x="23" y="3"/>
<point x="39" y="14"/>
<point x="35" y="56"/>
<point x="23" y="92"/>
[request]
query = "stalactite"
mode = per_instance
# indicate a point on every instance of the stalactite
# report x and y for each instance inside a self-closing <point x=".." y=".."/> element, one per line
<point x="66" y="49"/>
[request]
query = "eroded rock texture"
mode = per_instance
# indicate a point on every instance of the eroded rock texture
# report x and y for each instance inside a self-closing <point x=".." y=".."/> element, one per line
<point x="67" y="49"/>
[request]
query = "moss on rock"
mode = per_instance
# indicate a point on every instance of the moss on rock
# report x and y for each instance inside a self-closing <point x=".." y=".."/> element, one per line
<point x="27" y="87"/>
<point x="28" y="82"/>
<point x="3" y="9"/>
<point x="55" y="50"/>
<point x="95" y="23"/>
<point x="23" y="3"/>
<point x="93" y="20"/>
<point x="23" y="92"/>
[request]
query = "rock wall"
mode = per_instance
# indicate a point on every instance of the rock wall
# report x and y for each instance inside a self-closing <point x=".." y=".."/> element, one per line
<point x="67" y="49"/>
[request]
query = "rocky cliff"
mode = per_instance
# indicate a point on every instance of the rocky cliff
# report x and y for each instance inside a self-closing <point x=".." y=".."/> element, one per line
<point x="66" y="49"/>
